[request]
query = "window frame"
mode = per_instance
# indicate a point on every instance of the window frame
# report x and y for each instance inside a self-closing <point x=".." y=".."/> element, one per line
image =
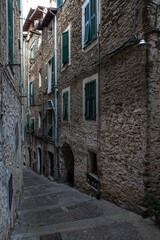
<point x="64" y="65"/>
<point x="50" y="74"/>
<point x="64" y="91"/>
<point x="86" y="46"/>
<point x="86" y="81"/>
<point x="60" y="4"/>
<point x="31" y="93"/>
<point x="10" y="38"/>
<point x="49" y="126"/>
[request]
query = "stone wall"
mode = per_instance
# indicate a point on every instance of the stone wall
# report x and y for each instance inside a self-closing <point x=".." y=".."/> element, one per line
<point x="11" y="160"/>
<point x="125" y="134"/>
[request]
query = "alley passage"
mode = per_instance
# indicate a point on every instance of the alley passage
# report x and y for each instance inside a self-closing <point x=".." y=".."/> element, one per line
<point x="52" y="211"/>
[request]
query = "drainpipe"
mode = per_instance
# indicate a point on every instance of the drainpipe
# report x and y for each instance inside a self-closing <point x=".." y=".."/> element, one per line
<point x="22" y="74"/>
<point x="56" y="84"/>
<point x="55" y="105"/>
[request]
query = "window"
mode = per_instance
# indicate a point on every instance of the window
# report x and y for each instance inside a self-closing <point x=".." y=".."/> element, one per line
<point x="19" y="5"/>
<point x="89" y="21"/>
<point x="27" y="124"/>
<point x="50" y="31"/>
<point x="32" y="54"/>
<point x="65" y="47"/>
<point x="39" y="41"/>
<point x="49" y="129"/>
<point x="66" y="104"/>
<point x="92" y="163"/>
<point x="31" y="126"/>
<point x="90" y="100"/>
<point x="59" y="3"/>
<point x="31" y="93"/>
<point x="50" y="74"/>
<point x="39" y="119"/>
<point x="10" y="31"/>
<point x="40" y="79"/>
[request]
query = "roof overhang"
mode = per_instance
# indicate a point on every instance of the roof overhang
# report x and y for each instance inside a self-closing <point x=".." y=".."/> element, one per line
<point x="47" y="19"/>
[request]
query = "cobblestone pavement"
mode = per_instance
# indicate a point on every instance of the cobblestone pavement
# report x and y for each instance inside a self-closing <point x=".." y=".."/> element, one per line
<point x="52" y="211"/>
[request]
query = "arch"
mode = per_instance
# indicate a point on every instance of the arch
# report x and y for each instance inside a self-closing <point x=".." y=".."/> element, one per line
<point x="68" y="164"/>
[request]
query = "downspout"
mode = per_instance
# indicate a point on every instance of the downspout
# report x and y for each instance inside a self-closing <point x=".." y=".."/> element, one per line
<point x="1" y="114"/>
<point x="56" y="84"/>
<point x="22" y="74"/>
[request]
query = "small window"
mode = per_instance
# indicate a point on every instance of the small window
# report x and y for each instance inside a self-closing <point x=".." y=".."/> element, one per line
<point x="49" y="128"/>
<point x="31" y="126"/>
<point x="50" y="31"/>
<point x="90" y="21"/>
<point x="10" y="31"/>
<point x="65" y="47"/>
<point x="40" y="79"/>
<point x="59" y="3"/>
<point x="31" y="93"/>
<point x="50" y="74"/>
<point x="90" y="100"/>
<point x="65" y="106"/>
<point x="32" y="54"/>
<point x="39" y="119"/>
<point x="39" y="41"/>
<point x="92" y="163"/>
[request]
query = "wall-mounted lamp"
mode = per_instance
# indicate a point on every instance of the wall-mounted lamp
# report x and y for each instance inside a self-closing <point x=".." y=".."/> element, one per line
<point x="143" y="45"/>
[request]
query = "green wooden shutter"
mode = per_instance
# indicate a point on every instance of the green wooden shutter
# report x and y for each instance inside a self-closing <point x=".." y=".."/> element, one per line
<point x="93" y="100"/>
<point x="87" y="101"/>
<point x="65" y="47"/>
<point x="59" y="3"/>
<point x="93" y="10"/>
<point x="30" y="94"/>
<point x="47" y="75"/>
<point x="53" y="70"/>
<point x="19" y="5"/>
<point x="65" y="106"/>
<point x="10" y="31"/>
<point x="87" y="25"/>
<point x="33" y="52"/>
<point x="33" y="93"/>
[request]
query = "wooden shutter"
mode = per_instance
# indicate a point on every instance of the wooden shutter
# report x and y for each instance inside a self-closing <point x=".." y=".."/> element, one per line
<point x="59" y="3"/>
<point x="90" y="100"/>
<point x="47" y="75"/>
<point x="33" y="93"/>
<point x="65" y="47"/>
<point x="86" y="26"/>
<point x="10" y="31"/>
<point x="53" y="70"/>
<point x="87" y="101"/>
<point x="93" y="100"/>
<point x="93" y="20"/>
<point x="33" y="52"/>
<point x="19" y="5"/>
<point x="65" y="106"/>
<point x="30" y="94"/>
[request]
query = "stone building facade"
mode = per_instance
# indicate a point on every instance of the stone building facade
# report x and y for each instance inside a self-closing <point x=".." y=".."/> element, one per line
<point x="107" y="94"/>
<point x="11" y="104"/>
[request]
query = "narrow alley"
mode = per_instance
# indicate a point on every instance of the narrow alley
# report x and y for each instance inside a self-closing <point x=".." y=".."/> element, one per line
<point x="52" y="211"/>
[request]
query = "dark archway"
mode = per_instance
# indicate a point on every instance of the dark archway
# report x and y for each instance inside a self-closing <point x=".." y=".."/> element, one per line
<point x="69" y="164"/>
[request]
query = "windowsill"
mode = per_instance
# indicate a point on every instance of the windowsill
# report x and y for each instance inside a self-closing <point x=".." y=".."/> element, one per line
<point x="90" y="45"/>
<point x="94" y="176"/>
<point x="65" y="65"/>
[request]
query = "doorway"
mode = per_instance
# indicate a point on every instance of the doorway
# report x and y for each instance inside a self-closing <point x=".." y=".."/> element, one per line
<point x="69" y="164"/>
